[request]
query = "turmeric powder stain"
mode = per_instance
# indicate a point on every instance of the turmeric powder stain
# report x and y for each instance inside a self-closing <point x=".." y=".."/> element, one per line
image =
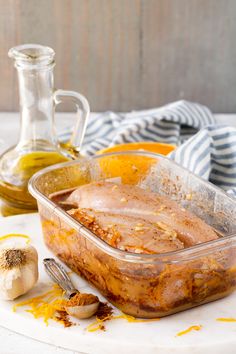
<point x="190" y="329"/>
<point x="5" y="237"/>
<point x="227" y="319"/>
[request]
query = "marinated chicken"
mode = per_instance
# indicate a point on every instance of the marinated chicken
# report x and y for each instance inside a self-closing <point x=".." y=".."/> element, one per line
<point x="152" y="222"/>
<point x="138" y="221"/>
<point x="128" y="233"/>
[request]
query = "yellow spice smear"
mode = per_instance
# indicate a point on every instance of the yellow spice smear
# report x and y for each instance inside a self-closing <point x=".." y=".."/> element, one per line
<point x="229" y="319"/>
<point x="15" y="235"/>
<point x="192" y="328"/>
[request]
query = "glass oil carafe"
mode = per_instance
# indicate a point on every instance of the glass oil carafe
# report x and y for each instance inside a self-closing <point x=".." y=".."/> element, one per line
<point x="38" y="145"/>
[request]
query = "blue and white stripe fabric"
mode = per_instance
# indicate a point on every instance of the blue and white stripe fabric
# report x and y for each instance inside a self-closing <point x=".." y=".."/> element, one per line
<point x="205" y="148"/>
<point x="173" y="123"/>
<point x="211" y="154"/>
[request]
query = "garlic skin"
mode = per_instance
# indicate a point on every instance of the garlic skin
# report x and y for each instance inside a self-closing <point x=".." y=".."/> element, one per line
<point x="18" y="271"/>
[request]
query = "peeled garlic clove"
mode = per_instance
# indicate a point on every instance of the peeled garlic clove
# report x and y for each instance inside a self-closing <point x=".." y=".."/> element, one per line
<point x="18" y="271"/>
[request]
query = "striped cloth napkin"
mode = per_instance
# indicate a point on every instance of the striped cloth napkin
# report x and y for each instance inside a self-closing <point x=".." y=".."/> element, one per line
<point x="211" y="154"/>
<point x="204" y="147"/>
<point x="173" y="124"/>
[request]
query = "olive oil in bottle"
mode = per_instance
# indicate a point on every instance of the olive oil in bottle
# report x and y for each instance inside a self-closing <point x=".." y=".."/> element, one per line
<point x="38" y="146"/>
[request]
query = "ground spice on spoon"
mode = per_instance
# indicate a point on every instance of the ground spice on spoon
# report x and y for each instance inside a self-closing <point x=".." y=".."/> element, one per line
<point x="81" y="300"/>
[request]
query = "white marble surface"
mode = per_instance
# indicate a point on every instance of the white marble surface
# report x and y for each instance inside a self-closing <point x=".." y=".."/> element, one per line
<point x="13" y="343"/>
<point x="120" y="336"/>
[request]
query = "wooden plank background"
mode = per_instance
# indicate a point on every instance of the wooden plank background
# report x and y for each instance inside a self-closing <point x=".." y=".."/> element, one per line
<point x="128" y="54"/>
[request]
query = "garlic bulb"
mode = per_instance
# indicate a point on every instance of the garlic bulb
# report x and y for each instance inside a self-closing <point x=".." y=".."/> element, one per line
<point x="18" y="271"/>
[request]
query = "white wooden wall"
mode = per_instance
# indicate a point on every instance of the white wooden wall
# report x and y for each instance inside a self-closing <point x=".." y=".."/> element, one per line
<point x="128" y="54"/>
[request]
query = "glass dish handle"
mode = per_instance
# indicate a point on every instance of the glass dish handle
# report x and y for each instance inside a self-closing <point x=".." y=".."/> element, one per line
<point x="82" y="112"/>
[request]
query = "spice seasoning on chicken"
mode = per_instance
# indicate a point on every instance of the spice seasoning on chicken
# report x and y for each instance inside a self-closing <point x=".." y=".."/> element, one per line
<point x="115" y="238"/>
<point x="139" y="228"/>
<point x="189" y="196"/>
<point x="109" y="233"/>
<point x="138" y="249"/>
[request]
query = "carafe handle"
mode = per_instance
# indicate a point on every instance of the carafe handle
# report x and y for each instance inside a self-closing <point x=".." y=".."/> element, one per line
<point x="82" y="111"/>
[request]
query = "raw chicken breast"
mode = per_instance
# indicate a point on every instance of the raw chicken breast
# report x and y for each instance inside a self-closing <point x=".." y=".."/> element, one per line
<point x="131" y="201"/>
<point x="128" y="233"/>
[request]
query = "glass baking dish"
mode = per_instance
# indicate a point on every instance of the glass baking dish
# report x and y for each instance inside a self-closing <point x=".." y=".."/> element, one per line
<point x="142" y="285"/>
